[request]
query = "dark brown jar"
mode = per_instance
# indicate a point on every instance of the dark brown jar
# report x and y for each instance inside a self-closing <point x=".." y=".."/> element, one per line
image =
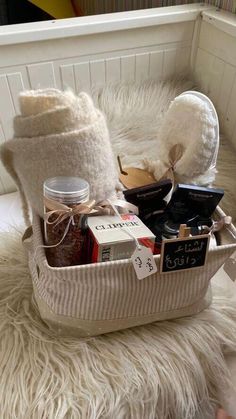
<point x="70" y="191"/>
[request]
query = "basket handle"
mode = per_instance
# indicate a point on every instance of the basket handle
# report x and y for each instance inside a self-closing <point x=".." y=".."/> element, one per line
<point x="27" y="239"/>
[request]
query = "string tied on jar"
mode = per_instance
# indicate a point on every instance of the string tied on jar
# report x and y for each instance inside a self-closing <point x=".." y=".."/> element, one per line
<point x="58" y="212"/>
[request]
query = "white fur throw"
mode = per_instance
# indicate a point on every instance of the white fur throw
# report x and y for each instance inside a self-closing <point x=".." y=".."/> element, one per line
<point x="166" y="370"/>
<point x="59" y="134"/>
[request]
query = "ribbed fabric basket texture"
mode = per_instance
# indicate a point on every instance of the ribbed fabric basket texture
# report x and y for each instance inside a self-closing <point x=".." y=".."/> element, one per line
<point x="93" y="299"/>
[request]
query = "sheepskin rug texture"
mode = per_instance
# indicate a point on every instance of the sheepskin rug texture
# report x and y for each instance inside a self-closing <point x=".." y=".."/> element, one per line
<point x="167" y="370"/>
<point x="135" y="114"/>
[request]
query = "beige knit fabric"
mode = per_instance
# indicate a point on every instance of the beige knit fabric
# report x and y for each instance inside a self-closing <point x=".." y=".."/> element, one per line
<point x="103" y="297"/>
<point x="59" y="134"/>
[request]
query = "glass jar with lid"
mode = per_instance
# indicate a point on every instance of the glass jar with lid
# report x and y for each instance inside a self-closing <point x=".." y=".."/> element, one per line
<point x="70" y="191"/>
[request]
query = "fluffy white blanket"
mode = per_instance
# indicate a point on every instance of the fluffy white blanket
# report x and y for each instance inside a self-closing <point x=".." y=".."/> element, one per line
<point x="167" y="370"/>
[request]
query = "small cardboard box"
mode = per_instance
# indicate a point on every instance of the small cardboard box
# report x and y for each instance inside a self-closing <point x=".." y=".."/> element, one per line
<point x="111" y="237"/>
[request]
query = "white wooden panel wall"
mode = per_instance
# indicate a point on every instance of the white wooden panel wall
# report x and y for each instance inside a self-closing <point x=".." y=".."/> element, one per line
<point x="215" y="73"/>
<point x="156" y="52"/>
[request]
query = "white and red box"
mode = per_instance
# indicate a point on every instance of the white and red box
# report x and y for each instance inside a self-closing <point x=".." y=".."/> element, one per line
<point x="111" y="238"/>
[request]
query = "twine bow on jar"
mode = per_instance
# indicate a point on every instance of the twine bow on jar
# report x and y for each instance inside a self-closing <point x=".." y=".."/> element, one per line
<point x="56" y="212"/>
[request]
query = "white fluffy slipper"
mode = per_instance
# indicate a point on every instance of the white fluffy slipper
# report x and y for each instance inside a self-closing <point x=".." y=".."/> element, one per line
<point x="191" y="122"/>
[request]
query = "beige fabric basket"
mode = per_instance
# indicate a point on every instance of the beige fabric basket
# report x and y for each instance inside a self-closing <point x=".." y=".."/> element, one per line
<point x="99" y="298"/>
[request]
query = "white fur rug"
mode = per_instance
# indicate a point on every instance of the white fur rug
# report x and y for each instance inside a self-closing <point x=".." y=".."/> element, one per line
<point x="134" y="114"/>
<point x="168" y="370"/>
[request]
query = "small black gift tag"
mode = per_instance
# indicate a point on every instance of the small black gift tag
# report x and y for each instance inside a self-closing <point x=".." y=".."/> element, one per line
<point x="182" y="254"/>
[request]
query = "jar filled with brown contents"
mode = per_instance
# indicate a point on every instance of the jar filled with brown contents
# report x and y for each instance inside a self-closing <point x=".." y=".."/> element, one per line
<point x="63" y="230"/>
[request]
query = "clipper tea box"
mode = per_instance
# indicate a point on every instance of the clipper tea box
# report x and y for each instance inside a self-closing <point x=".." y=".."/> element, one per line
<point x="110" y="237"/>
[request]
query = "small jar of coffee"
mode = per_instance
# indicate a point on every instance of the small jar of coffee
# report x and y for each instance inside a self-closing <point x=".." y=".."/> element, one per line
<point x="67" y="233"/>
